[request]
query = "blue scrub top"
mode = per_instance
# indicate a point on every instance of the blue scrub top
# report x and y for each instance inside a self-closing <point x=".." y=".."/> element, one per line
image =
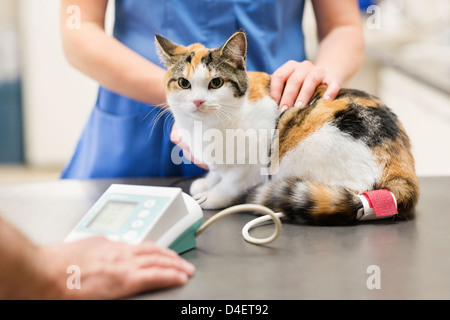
<point x="126" y="138"/>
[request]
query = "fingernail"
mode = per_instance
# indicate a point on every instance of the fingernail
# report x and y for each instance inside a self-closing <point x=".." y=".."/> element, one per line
<point x="327" y="98"/>
<point x="299" y="104"/>
<point x="284" y="108"/>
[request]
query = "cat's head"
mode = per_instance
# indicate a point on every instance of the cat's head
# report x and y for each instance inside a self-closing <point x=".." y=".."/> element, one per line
<point x="205" y="83"/>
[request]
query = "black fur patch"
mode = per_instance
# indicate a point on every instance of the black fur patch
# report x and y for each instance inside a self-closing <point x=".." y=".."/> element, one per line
<point x="238" y="91"/>
<point x="207" y="59"/>
<point x="189" y="57"/>
<point x="372" y="125"/>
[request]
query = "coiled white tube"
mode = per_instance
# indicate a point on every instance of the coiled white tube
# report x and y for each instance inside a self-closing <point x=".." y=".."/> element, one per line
<point x="268" y="214"/>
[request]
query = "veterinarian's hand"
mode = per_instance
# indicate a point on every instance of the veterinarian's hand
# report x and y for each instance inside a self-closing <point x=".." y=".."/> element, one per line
<point x="175" y="138"/>
<point x="111" y="269"/>
<point x="293" y="84"/>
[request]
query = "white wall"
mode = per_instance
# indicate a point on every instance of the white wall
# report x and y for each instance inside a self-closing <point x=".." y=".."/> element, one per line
<point x="57" y="99"/>
<point x="425" y="114"/>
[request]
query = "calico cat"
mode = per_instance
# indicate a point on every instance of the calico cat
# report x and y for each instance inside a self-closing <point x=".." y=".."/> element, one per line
<point x="321" y="156"/>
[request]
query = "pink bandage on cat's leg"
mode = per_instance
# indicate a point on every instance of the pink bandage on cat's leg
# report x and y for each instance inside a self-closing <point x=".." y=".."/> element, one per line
<point x="377" y="204"/>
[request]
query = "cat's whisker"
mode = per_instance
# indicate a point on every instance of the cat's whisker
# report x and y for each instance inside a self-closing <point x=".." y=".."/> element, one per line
<point x="221" y="111"/>
<point x="159" y="107"/>
<point x="159" y="115"/>
<point x="149" y="113"/>
<point x="163" y="105"/>
<point x="170" y="124"/>
<point x="230" y="111"/>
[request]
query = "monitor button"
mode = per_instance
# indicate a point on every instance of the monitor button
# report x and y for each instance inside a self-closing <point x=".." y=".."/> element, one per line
<point x="149" y="203"/>
<point x="137" y="223"/>
<point x="130" y="235"/>
<point x="143" y="213"/>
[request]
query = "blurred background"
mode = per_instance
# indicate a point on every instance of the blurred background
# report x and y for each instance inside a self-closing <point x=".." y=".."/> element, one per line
<point x="44" y="102"/>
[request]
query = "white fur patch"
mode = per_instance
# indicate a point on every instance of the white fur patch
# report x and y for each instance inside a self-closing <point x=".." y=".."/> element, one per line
<point x="331" y="157"/>
<point x="299" y="193"/>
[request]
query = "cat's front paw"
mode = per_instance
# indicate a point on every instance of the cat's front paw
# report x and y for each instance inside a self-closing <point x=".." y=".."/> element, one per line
<point x="215" y="200"/>
<point x="199" y="186"/>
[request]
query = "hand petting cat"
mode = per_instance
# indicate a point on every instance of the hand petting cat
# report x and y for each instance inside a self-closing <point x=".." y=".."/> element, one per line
<point x="294" y="83"/>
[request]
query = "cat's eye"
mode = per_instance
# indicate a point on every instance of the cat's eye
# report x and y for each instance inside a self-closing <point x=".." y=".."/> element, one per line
<point x="184" y="83"/>
<point x="216" y="83"/>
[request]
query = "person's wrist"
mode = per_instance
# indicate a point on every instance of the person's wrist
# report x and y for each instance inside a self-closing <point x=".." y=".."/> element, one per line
<point x="52" y="273"/>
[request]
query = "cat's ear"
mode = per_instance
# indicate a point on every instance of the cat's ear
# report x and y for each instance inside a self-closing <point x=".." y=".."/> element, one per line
<point x="235" y="50"/>
<point x="167" y="49"/>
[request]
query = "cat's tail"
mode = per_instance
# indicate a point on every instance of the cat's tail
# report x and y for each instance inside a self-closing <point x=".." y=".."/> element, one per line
<point x="316" y="203"/>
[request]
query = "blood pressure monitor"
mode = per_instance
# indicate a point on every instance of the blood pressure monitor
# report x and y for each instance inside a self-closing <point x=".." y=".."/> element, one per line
<point x="133" y="214"/>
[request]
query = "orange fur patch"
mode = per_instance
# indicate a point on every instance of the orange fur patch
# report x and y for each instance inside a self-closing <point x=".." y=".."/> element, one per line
<point x="321" y="198"/>
<point x="180" y="50"/>
<point x="369" y="103"/>
<point x="166" y="78"/>
<point x="324" y="198"/>
<point x="259" y="83"/>
<point x="200" y="52"/>
<point x="396" y="161"/>
<point x="320" y="90"/>
<point x="394" y="157"/>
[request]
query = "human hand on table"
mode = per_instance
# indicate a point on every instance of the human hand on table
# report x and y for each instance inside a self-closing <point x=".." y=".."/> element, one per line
<point x="111" y="270"/>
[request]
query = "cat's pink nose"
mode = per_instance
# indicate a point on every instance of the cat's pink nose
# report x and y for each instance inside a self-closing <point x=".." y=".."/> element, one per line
<point x="198" y="103"/>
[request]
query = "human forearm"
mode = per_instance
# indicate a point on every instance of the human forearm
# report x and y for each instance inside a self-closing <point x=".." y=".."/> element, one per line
<point x="340" y="55"/>
<point x="341" y="52"/>
<point x="341" y="40"/>
<point x="23" y="274"/>
<point x="112" y="64"/>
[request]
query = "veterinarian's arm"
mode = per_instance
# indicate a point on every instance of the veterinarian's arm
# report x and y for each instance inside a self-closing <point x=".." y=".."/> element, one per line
<point x="107" y="269"/>
<point x="341" y="48"/>
<point x="105" y="59"/>
<point x="340" y="55"/>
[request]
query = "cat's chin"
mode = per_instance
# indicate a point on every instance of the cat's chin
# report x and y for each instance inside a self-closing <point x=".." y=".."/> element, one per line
<point x="200" y="113"/>
<point x="203" y="116"/>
